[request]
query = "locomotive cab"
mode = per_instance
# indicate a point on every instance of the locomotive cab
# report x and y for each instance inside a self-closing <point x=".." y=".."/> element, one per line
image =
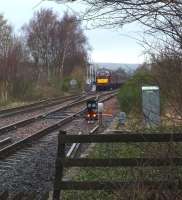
<point x="92" y="110"/>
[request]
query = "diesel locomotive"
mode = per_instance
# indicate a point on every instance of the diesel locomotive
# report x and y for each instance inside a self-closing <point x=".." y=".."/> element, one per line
<point x="107" y="80"/>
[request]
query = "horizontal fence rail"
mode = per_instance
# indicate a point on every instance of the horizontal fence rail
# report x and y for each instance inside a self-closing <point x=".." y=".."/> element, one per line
<point x="63" y="161"/>
<point x="130" y="137"/>
<point x="115" y="185"/>
<point x="121" y="162"/>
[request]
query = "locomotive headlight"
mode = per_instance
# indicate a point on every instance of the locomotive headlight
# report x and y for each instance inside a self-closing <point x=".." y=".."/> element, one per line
<point x="94" y="115"/>
<point x="88" y="115"/>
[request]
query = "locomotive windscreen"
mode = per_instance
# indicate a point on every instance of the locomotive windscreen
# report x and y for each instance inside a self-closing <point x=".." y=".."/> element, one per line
<point x="103" y="73"/>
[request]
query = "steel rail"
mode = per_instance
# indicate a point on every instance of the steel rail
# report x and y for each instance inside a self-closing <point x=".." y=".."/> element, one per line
<point x="28" y="140"/>
<point x="37" y="117"/>
<point x="75" y="146"/>
<point x="5" y="141"/>
<point x="5" y="152"/>
<point x="21" y="123"/>
<point x="35" y="106"/>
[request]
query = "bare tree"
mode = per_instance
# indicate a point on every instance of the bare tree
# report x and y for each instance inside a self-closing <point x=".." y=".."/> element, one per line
<point x="53" y="41"/>
<point x="11" y="55"/>
<point x="162" y="16"/>
<point x="5" y="49"/>
<point x="75" y="43"/>
<point x="38" y="34"/>
<point x="167" y="70"/>
<point x="50" y="46"/>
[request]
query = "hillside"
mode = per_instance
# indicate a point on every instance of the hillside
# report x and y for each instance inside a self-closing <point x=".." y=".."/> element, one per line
<point x="127" y="67"/>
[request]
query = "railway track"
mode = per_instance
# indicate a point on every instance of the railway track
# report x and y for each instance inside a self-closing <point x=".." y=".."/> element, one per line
<point x="65" y="118"/>
<point x="75" y="147"/>
<point x="43" y="115"/>
<point x="11" y="118"/>
<point x="9" y="123"/>
<point x="24" y="160"/>
<point x="11" y="163"/>
<point x="28" y="165"/>
<point x="45" y="125"/>
<point x="33" y="113"/>
<point x="34" y="106"/>
<point x="38" y="105"/>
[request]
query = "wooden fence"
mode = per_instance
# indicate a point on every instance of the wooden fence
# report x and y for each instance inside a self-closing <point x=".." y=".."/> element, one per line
<point x="63" y="161"/>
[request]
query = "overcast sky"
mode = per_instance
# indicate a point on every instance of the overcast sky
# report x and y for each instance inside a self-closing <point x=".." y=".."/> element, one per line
<point x="116" y="46"/>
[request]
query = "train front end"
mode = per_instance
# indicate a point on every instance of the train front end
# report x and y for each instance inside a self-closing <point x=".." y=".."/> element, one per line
<point x="103" y="79"/>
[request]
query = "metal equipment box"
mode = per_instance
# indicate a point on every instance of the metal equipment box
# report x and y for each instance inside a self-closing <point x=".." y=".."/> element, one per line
<point x="151" y="105"/>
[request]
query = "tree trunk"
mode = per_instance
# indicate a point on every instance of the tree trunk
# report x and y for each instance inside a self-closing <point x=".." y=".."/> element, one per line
<point x="63" y="59"/>
<point x="4" y="91"/>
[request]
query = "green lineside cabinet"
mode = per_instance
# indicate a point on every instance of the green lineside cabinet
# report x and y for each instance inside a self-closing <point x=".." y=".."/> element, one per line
<point x="151" y="105"/>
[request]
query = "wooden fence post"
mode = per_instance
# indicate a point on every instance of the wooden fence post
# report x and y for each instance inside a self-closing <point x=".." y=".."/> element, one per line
<point x="59" y="167"/>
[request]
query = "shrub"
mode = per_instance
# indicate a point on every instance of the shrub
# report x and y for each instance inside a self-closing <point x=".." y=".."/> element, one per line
<point x="22" y="89"/>
<point x="66" y="84"/>
<point x="130" y="93"/>
<point x="167" y="69"/>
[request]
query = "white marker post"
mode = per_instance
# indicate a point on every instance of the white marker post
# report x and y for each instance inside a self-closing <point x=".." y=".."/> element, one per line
<point x="100" y="110"/>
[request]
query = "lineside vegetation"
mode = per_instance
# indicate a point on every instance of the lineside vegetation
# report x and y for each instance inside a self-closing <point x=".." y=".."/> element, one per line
<point x="41" y="61"/>
<point x="130" y="93"/>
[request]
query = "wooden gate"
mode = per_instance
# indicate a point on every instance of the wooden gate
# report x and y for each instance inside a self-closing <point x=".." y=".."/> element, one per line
<point x="63" y="161"/>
